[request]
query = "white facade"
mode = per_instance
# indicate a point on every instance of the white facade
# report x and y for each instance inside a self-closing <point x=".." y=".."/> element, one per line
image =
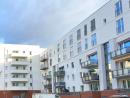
<point x="77" y="54"/>
<point x="19" y="67"/>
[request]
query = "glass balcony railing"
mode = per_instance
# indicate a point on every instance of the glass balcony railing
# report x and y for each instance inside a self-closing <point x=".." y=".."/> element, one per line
<point x="60" y="73"/>
<point x="90" y="64"/>
<point x="121" y="73"/>
<point x="86" y="78"/>
<point x="49" y="85"/>
<point x="59" y="84"/>
<point x="44" y="66"/>
<point x="120" y="53"/>
<point x="47" y="77"/>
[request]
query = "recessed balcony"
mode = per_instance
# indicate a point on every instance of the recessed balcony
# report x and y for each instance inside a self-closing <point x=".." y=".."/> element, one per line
<point x="86" y="78"/>
<point x="60" y="73"/>
<point x="60" y="84"/>
<point x="121" y="73"/>
<point x="44" y="58"/>
<point x="13" y="71"/>
<point x="19" y="79"/>
<point x="44" y="66"/>
<point x="49" y="86"/>
<point x="19" y="55"/>
<point x="91" y="64"/>
<point x="20" y="63"/>
<point x="121" y="54"/>
<point x="47" y="77"/>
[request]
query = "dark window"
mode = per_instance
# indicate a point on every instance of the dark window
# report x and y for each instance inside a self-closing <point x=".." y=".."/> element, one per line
<point x="93" y="25"/>
<point x="30" y="68"/>
<point x="72" y="64"/>
<point x="78" y="34"/>
<point x="85" y="30"/>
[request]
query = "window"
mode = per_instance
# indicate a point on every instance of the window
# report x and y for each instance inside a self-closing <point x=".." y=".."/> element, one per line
<point x="68" y="77"/>
<point x="93" y="25"/>
<point x="30" y="84"/>
<point x="86" y="44"/>
<point x="72" y="64"/>
<point x="120" y="25"/>
<point x="78" y="34"/>
<point x="67" y="65"/>
<point x="93" y="57"/>
<point x="85" y="30"/>
<point x="73" y="77"/>
<point x="118" y="8"/>
<point x="129" y="3"/>
<point x="73" y="88"/>
<point x="93" y="40"/>
<point x="71" y="52"/>
<point x="58" y="47"/>
<point x="79" y="48"/>
<point x="64" y="44"/>
<point x="30" y="76"/>
<point x="71" y="39"/>
<point x="80" y="61"/>
<point x="82" y="88"/>
<point x="104" y="20"/>
<point x="30" y="52"/>
<point x="30" y="68"/>
<point x="125" y="44"/>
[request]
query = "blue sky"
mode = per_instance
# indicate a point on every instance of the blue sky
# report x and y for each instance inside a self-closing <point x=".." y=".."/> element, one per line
<point x="40" y="21"/>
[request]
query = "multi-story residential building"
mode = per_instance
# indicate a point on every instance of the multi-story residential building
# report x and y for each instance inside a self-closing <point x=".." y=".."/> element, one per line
<point x="19" y="70"/>
<point x="93" y="56"/>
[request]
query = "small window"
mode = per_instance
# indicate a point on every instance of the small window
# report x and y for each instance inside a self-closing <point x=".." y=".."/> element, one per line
<point x="30" y="76"/>
<point x="73" y="88"/>
<point x="73" y="77"/>
<point x="78" y="34"/>
<point x="67" y="65"/>
<point x="72" y="64"/>
<point x="30" y="68"/>
<point x="82" y="88"/>
<point x="85" y="30"/>
<point x="23" y="51"/>
<point x="30" y="84"/>
<point x="104" y="20"/>
<point x="93" y="25"/>
<point x="30" y="52"/>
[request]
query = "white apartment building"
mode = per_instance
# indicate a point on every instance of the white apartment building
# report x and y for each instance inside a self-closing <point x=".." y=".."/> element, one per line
<point x="94" y="55"/>
<point x="19" y="70"/>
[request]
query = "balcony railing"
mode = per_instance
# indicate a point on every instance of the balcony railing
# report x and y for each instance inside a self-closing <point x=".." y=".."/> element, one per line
<point x="21" y="62"/>
<point x="120" y="53"/>
<point x="60" y="73"/>
<point x="121" y="73"/>
<point x="60" y="84"/>
<point x="47" y="77"/>
<point x="86" y="78"/>
<point x="44" y="58"/>
<point x="90" y="64"/>
<point x="44" y="66"/>
<point x="19" y="54"/>
<point x="49" y="86"/>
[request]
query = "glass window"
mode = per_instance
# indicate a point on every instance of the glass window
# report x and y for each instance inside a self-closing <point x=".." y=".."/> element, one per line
<point x="86" y="44"/>
<point x="71" y="39"/>
<point x="73" y="88"/>
<point x="73" y="77"/>
<point x="79" y="48"/>
<point x="93" y="39"/>
<point x="72" y="64"/>
<point x="82" y="88"/>
<point x="85" y="30"/>
<point x="120" y="25"/>
<point x="71" y="52"/>
<point x="118" y="8"/>
<point x="93" y="25"/>
<point x="78" y="34"/>
<point x="64" y="44"/>
<point x="93" y="57"/>
<point x="125" y="44"/>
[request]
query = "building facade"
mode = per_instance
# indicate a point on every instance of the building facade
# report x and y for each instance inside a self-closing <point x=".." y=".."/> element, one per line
<point x="93" y="56"/>
<point x="19" y="70"/>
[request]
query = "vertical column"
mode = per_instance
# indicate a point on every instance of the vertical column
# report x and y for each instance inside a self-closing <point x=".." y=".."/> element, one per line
<point x="102" y="70"/>
<point x="113" y="64"/>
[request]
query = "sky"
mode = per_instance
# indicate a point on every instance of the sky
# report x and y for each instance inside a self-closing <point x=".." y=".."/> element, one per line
<point x="42" y="22"/>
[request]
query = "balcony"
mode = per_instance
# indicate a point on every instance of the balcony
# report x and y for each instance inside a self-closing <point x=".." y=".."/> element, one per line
<point x="19" y="79"/>
<point x="20" y="55"/>
<point x="91" y="64"/>
<point x="60" y="73"/>
<point x="49" y="86"/>
<point x="47" y="77"/>
<point x="44" y="66"/>
<point x="13" y="71"/>
<point x="86" y="78"/>
<point x="20" y="63"/>
<point x="18" y="88"/>
<point x="121" y="54"/>
<point x="60" y="84"/>
<point x="44" y="58"/>
<point x="121" y="73"/>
